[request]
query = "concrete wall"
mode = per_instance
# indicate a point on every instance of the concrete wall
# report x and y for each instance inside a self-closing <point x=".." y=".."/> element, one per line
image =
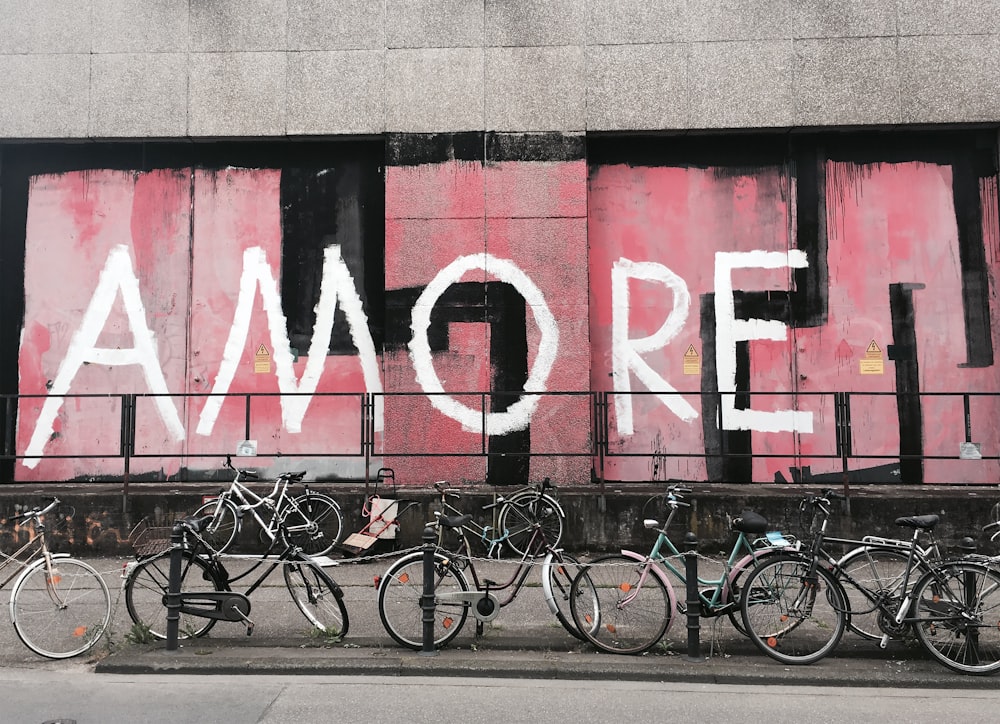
<point x="251" y="68"/>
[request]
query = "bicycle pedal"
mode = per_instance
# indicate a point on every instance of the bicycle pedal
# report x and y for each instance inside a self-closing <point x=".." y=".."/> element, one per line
<point x="884" y="641"/>
<point x="249" y="628"/>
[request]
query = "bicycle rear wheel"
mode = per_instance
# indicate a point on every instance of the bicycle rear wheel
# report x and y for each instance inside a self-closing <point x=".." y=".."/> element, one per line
<point x="620" y="605"/>
<point x="61" y="615"/>
<point x="522" y="513"/>
<point x="956" y="614"/>
<point x="146" y="590"/>
<point x="791" y="615"/>
<point x="558" y="574"/>
<point x="220" y="532"/>
<point x="312" y="522"/>
<point x="399" y="597"/>
<point x="318" y="597"/>
<point x="872" y="579"/>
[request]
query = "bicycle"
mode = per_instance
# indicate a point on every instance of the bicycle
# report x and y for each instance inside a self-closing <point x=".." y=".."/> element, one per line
<point x="60" y="606"/>
<point x="207" y="594"/>
<point x="955" y="611"/>
<point x="631" y="594"/>
<point x="312" y="521"/>
<point x="400" y="589"/>
<point x="517" y="517"/>
<point x="787" y="618"/>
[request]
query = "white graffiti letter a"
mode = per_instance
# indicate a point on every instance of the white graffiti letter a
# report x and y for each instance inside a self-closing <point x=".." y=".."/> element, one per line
<point x="117" y="277"/>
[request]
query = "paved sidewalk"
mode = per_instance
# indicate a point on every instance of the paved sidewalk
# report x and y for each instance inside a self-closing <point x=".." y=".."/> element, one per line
<point x="525" y="641"/>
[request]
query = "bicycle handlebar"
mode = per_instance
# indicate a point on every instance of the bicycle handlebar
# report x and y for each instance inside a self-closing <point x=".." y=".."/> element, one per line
<point x="38" y="512"/>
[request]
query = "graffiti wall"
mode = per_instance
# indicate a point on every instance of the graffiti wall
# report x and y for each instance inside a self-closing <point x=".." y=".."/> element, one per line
<point x="718" y="291"/>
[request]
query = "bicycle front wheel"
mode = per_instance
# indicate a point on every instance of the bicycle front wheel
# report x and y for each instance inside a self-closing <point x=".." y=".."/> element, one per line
<point x="63" y="614"/>
<point x="872" y="579"/>
<point x="792" y="615"/>
<point x="956" y="614"/>
<point x="313" y="523"/>
<point x="318" y="597"/>
<point x="399" y="597"/>
<point x="220" y="532"/>
<point x="558" y="573"/>
<point x="522" y="514"/>
<point x="146" y="592"/>
<point x="620" y="605"/>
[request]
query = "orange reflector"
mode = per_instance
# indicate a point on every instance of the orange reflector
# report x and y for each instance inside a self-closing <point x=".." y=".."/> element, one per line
<point x="447" y="621"/>
<point x="611" y="628"/>
<point x="405" y="578"/>
<point x="80" y="631"/>
<point x="55" y="579"/>
<point x="588" y="619"/>
<point x="561" y="570"/>
<point x="784" y="618"/>
<point x="772" y="642"/>
<point x="626" y="587"/>
<point x="936" y="598"/>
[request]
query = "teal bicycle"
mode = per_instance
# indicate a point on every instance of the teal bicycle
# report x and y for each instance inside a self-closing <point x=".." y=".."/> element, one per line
<point x="624" y="603"/>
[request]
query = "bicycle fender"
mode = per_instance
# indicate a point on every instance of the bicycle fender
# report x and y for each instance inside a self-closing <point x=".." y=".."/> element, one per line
<point x="544" y="496"/>
<point x="659" y="573"/>
<point x="745" y="564"/>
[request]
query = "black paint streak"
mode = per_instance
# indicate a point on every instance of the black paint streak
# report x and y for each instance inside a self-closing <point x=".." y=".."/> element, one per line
<point x="501" y="306"/>
<point x="904" y="338"/>
<point x="414" y="149"/>
<point x="534" y="147"/>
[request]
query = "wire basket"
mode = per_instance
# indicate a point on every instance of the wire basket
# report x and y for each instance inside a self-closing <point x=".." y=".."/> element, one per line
<point x="148" y="540"/>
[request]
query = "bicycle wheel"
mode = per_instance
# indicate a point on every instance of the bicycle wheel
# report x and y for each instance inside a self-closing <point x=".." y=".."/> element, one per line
<point x="620" y="605"/>
<point x="312" y="522"/>
<point x="61" y="615"/>
<point x="737" y="579"/>
<point x="872" y="579"/>
<point x="558" y="573"/>
<point x="956" y="614"/>
<point x="791" y="616"/>
<point x="146" y="590"/>
<point x="318" y="597"/>
<point x="220" y="533"/>
<point x="399" y="597"/>
<point x="522" y="513"/>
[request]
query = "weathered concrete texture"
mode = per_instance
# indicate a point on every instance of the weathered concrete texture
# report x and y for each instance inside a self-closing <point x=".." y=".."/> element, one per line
<point x="235" y="94"/>
<point x="638" y="86"/>
<point x="346" y="25"/>
<point x="352" y="102"/>
<point x="138" y="26"/>
<point x="434" y="90"/>
<point x="133" y="92"/>
<point x="598" y="519"/>
<point x="44" y="96"/>
<point x="433" y="24"/>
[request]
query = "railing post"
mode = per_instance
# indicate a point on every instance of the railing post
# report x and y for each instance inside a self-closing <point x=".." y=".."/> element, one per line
<point x="174" y="586"/>
<point x="693" y="602"/>
<point x="427" y="599"/>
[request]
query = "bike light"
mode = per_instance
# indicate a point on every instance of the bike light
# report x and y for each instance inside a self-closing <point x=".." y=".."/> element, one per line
<point x="378" y="581"/>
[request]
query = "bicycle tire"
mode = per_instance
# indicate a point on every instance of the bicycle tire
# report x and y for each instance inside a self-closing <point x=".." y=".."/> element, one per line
<point x="956" y="615"/>
<point x="772" y="601"/>
<point x="877" y="590"/>
<point x="146" y="590"/>
<point x="558" y="573"/>
<point x="399" y="597"/>
<point x="61" y="615"/>
<point x="313" y="522"/>
<point x="519" y="516"/>
<point x="629" y="619"/>
<point x="317" y="596"/>
<point x="736" y="580"/>
<point x="220" y="533"/>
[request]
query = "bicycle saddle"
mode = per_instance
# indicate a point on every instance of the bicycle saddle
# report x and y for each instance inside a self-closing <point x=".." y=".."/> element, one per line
<point x="454" y="521"/>
<point x="750" y="522"/>
<point x="197" y="524"/>
<point x="924" y="522"/>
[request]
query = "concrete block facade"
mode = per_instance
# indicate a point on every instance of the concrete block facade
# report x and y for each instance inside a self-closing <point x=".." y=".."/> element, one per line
<point x="266" y="68"/>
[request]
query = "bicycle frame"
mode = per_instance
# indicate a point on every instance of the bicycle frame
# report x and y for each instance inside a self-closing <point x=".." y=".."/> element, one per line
<point x="39" y="549"/>
<point x="246" y="500"/>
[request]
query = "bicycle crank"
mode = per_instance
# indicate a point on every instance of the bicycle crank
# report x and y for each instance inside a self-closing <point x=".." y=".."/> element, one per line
<point x="485" y="606"/>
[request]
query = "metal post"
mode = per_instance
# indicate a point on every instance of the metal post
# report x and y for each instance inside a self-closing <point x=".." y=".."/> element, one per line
<point x="174" y="586"/>
<point x="693" y="602"/>
<point x="427" y="599"/>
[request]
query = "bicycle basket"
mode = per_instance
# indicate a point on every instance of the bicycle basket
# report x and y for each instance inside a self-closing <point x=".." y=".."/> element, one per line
<point x="147" y="540"/>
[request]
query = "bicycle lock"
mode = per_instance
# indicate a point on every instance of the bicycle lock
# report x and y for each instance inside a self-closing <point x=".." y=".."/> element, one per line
<point x="173" y="601"/>
<point x="427" y="599"/>
<point x="693" y="601"/>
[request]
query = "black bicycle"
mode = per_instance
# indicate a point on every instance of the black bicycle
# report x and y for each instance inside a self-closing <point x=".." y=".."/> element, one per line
<point x="207" y="594"/>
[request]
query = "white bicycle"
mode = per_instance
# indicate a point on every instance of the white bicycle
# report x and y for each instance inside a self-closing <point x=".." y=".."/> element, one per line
<point x="311" y="521"/>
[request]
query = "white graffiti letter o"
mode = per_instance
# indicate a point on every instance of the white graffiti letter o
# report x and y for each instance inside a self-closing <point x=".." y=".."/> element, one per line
<point x="518" y="415"/>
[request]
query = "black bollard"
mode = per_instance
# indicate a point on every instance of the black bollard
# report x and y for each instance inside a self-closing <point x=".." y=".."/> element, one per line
<point x="693" y="602"/>
<point x="427" y="599"/>
<point x="173" y="601"/>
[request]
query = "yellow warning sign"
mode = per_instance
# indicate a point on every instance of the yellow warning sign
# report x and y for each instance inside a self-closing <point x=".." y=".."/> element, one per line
<point x="262" y="361"/>
<point x="872" y="363"/>
<point x="692" y="361"/>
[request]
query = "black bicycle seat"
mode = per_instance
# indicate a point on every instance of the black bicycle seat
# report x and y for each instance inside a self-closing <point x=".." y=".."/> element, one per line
<point x="197" y="524"/>
<point x="750" y="522"/>
<point x="454" y="521"/>
<point x="924" y="522"/>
